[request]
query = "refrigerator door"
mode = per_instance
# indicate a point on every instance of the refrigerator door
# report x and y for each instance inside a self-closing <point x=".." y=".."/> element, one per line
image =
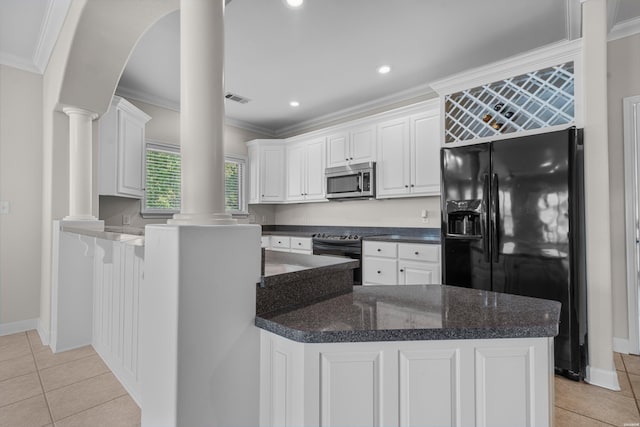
<point x="532" y="194"/>
<point x="465" y="239"/>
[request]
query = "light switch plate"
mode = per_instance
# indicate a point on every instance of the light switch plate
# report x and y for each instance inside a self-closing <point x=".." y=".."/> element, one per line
<point x="5" y="207"/>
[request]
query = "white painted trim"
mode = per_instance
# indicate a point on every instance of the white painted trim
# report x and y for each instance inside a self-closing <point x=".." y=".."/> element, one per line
<point x="44" y="334"/>
<point x="536" y="59"/>
<point x="632" y="218"/>
<point x="612" y="13"/>
<point x="621" y="345"/>
<point x="51" y="26"/>
<point x="624" y="29"/>
<point x="18" y="62"/>
<point x="423" y="90"/>
<point x="19" y="326"/>
<point x="574" y="19"/>
<point x="603" y="378"/>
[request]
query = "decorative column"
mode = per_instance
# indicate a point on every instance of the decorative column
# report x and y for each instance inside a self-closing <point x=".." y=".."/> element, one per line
<point x="80" y="164"/>
<point x="601" y="370"/>
<point x="202" y="113"/>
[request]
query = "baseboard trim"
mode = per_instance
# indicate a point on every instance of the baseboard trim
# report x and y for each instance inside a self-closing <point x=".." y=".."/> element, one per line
<point x="16" y="327"/>
<point x="621" y="345"/>
<point x="602" y="378"/>
<point x="44" y="333"/>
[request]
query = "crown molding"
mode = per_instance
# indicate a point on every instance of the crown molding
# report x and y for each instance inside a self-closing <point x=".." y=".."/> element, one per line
<point x="574" y="19"/>
<point x="423" y="90"/>
<point x="18" y="62"/>
<point x="545" y="56"/>
<point x="624" y="29"/>
<point x="250" y="127"/>
<point x="51" y="26"/>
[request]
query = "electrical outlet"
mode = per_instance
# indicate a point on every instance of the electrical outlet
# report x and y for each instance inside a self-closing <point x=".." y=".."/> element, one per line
<point x="126" y="219"/>
<point x="5" y="207"/>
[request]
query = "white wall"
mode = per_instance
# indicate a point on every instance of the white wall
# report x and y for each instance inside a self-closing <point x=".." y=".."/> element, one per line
<point x="623" y="81"/>
<point x="366" y="213"/>
<point x="21" y="185"/>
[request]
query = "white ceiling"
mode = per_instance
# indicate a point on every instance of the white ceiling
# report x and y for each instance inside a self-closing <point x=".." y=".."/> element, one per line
<point x="325" y="54"/>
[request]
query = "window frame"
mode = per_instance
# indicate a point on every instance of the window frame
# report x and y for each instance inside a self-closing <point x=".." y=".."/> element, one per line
<point x="175" y="149"/>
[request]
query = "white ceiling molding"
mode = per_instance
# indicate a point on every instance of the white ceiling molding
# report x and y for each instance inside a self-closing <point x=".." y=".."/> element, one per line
<point x="250" y="127"/>
<point x="624" y="29"/>
<point x="546" y="56"/>
<point x="612" y="13"/>
<point x="18" y="62"/>
<point x="51" y="26"/>
<point x="574" y="19"/>
<point x="423" y="90"/>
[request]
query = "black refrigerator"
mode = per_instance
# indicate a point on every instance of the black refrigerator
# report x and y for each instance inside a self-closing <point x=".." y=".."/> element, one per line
<point x="513" y="222"/>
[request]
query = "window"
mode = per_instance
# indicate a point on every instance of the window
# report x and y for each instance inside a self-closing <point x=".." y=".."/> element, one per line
<point x="162" y="194"/>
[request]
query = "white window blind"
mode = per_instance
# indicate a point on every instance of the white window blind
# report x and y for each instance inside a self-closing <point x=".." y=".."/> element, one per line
<point x="162" y="181"/>
<point x="234" y="181"/>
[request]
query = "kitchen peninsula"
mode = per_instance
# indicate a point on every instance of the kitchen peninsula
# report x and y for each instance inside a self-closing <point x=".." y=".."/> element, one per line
<point x="410" y="355"/>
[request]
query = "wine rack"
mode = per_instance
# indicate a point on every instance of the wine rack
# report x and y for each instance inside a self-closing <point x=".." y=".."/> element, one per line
<point x="533" y="100"/>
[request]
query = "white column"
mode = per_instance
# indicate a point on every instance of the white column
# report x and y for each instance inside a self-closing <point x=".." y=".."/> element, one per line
<point x="80" y="163"/>
<point x="601" y="370"/>
<point x="202" y="113"/>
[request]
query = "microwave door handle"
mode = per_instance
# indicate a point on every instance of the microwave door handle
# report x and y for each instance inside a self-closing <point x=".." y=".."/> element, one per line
<point x="360" y="182"/>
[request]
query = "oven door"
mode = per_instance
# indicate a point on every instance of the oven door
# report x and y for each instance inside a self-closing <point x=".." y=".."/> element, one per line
<point x="351" y="250"/>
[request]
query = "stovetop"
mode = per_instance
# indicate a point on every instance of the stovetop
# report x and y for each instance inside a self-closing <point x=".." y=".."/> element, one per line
<point x="325" y="236"/>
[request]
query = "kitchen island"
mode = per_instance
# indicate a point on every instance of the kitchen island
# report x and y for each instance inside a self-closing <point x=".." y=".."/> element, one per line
<point x="410" y="355"/>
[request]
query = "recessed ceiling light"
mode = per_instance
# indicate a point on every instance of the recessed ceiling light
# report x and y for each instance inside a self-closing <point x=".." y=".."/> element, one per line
<point x="294" y="103"/>
<point x="384" y="69"/>
<point x="294" y="3"/>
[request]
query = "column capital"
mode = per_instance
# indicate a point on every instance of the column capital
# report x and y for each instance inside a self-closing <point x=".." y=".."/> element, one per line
<point x="77" y="111"/>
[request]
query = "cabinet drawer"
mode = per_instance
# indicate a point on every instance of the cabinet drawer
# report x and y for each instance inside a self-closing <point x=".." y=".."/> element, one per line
<point x="301" y="243"/>
<point x="380" y="271"/>
<point x="380" y="249"/>
<point x="419" y="252"/>
<point x="280" y="242"/>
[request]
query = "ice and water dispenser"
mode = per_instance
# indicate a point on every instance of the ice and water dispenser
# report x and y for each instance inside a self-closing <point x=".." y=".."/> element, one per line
<point x="464" y="218"/>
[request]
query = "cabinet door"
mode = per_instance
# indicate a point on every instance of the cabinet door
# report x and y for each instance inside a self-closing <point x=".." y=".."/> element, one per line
<point x="362" y="145"/>
<point x="315" y="154"/>
<point x="393" y="166"/>
<point x="425" y="154"/>
<point x="418" y="273"/>
<point x="296" y="169"/>
<point x="379" y="271"/>
<point x="337" y="149"/>
<point x="272" y="174"/>
<point x="130" y="150"/>
<point x="254" y="174"/>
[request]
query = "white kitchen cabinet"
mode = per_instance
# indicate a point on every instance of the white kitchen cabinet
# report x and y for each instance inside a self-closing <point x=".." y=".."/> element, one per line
<point x="122" y="139"/>
<point x="389" y="263"/>
<point x="409" y="156"/>
<point x="266" y="171"/>
<point x="406" y="383"/>
<point x="349" y="146"/>
<point x="305" y="170"/>
<point x="298" y="245"/>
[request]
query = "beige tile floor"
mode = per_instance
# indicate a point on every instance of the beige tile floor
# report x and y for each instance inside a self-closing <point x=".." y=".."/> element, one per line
<point x="75" y="388"/>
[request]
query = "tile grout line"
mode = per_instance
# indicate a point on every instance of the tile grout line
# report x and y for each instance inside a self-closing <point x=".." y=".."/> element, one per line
<point x="585" y="416"/>
<point x="626" y="371"/>
<point x="93" y="407"/>
<point x="44" y="395"/>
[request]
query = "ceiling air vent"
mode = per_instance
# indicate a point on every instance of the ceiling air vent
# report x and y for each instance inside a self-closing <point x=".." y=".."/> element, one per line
<point x="236" y="98"/>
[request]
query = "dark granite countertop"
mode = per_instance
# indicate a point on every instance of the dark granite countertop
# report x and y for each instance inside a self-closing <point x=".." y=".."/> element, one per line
<point x="429" y="239"/>
<point x="288" y="233"/>
<point x="416" y="312"/>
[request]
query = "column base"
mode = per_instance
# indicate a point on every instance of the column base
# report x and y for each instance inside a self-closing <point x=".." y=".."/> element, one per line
<point x="202" y="219"/>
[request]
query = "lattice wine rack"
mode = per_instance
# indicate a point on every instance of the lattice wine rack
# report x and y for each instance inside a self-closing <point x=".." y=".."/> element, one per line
<point x="529" y="101"/>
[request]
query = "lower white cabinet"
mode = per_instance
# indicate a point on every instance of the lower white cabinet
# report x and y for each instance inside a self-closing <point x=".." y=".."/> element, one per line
<point x="497" y="382"/>
<point x="389" y="263"/>
<point x="299" y="245"/>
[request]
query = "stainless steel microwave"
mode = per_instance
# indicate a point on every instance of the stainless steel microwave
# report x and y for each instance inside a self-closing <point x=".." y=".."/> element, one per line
<point x="351" y="181"/>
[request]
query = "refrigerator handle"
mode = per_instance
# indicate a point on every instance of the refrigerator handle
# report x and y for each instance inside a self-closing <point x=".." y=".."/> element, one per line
<point x="484" y="224"/>
<point x="495" y="216"/>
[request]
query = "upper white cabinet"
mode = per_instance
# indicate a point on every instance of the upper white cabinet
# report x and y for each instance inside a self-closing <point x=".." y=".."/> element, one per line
<point x="409" y="155"/>
<point x="355" y="145"/>
<point x="122" y="136"/>
<point x="305" y="170"/>
<point x="266" y="171"/>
